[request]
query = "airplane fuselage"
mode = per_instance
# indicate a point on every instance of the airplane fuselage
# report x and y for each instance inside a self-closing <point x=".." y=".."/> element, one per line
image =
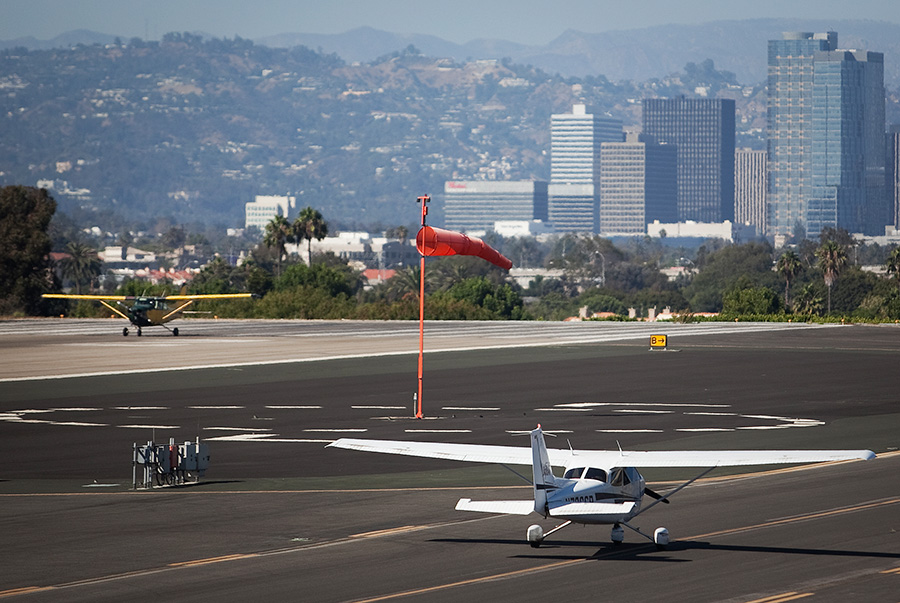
<point x="578" y="493"/>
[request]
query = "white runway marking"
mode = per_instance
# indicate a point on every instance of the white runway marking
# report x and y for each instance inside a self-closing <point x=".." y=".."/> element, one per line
<point x="61" y="423"/>
<point x="438" y="430"/>
<point x="216" y="407"/>
<point x="373" y="407"/>
<point x="264" y="438"/>
<point x="149" y="426"/>
<point x="629" y="430"/>
<point x="336" y="430"/>
<point x="473" y="408"/>
<point x="290" y="407"/>
<point x="645" y="411"/>
<point x="140" y="408"/>
<point x="236" y="429"/>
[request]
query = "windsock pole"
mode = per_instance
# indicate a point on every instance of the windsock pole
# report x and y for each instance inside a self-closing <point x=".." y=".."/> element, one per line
<point x="424" y="199"/>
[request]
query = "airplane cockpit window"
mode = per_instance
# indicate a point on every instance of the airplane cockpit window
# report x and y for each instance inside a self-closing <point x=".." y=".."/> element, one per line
<point x="618" y="477"/>
<point x="597" y="474"/>
<point x="574" y="473"/>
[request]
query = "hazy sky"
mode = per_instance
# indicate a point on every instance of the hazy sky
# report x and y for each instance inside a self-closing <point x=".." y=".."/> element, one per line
<point x="526" y="21"/>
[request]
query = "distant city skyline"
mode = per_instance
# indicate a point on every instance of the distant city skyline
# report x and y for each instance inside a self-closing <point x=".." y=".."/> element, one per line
<point x="522" y="21"/>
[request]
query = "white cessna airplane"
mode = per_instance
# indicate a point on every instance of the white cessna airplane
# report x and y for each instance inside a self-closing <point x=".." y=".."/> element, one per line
<point x="598" y="486"/>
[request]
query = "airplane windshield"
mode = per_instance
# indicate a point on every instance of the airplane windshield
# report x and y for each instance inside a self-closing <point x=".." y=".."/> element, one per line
<point x="618" y="477"/>
<point x="597" y="474"/>
<point x="574" y="473"/>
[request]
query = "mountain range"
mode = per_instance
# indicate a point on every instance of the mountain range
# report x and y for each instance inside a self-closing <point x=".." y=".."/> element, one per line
<point x="738" y="46"/>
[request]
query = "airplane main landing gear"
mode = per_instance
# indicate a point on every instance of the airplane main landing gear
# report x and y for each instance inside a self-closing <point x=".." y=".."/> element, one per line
<point x="535" y="534"/>
<point x="175" y="331"/>
<point x="660" y="536"/>
<point x="125" y="332"/>
<point x="139" y="332"/>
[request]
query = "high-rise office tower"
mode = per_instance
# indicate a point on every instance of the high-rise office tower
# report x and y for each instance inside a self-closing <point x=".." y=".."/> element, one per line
<point x="703" y="131"/>
<point x="750" y="188"/>
<point x="892" y="173"/>
<point x="825" y="137"/>
<point x="575" y="140"/>
<point x="637" y="185"/>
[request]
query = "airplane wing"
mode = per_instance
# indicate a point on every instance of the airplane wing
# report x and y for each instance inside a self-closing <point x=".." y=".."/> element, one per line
<point x="515" y="455"/>
<point x="133" y="297"/>
<point x="473" y="453"/>
<point x="719" y="458"/>
<point x="94" y="297"/>
<point x="507" y="507"/>
<point x="208" y="296"/>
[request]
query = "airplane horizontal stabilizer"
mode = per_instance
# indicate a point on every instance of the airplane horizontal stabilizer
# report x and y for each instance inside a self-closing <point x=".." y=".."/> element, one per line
<point x="506" y="507"/>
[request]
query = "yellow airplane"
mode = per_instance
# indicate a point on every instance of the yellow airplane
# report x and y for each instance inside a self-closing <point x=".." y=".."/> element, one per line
<point x="148" y="311"/>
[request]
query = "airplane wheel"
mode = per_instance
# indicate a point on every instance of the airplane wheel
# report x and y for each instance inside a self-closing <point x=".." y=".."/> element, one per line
<point x="175" y="331"/>
<point x="661" y="538"/>
<point x="139" y="332"/>
<point x="125" y="332"/>
<point x="618" y="534"/>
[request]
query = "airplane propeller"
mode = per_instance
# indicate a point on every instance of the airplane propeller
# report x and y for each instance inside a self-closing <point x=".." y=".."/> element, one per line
<point x="655" y="495"/>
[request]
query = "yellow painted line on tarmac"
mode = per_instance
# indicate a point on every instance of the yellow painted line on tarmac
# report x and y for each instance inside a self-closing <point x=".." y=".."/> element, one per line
<point x="197" y="562"/>
<point x="895" y="570"/>
<point x="431" y="589"/>
<point x="572" y="562"/>
<point x="782" y="598"/>
<point x="23" y="591"/>
<point x="776" y="522"/>
<point x="390" y="531"/>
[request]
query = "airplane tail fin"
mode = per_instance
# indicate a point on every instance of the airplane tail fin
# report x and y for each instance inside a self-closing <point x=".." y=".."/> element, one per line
<point x="544" y="480"/>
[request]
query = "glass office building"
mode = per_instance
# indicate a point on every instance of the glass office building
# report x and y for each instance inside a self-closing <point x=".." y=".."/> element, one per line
<point x="703" y="131"/>
<point x="825" y="137"/>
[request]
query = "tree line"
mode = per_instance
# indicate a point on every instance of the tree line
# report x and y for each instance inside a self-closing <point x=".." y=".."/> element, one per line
<point x="813" y="280"/>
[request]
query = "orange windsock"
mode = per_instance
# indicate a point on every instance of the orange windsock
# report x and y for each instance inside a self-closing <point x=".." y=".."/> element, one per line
<point x="437" y="241"/>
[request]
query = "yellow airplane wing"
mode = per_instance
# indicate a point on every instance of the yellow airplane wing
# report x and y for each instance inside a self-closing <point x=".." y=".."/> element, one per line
<point x="209" y="296"/>
<point x="94" y="297"/>
<point x="103" y="299"/>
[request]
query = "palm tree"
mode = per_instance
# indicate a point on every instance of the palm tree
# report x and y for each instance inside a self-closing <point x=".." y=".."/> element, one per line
<point x="278" y="234"/>
<point x="832" y="259"/>
<point x="82" y="264"/>
<point x="405" y="283"/>
<point x="893" y="264"/>
<point x="788" y="266"/>
<point x="310" y="225"/>
<point x="808" y="301"/>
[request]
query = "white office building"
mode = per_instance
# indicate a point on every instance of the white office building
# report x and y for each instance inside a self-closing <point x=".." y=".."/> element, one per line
<point x="574" y="193"/>
<point x="264" y="208"/>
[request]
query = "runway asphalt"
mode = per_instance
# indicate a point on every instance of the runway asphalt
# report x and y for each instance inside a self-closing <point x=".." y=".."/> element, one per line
<point x="279" y="516"/>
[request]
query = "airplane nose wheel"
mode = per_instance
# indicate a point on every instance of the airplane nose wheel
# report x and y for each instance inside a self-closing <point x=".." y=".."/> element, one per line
<point x="125" y="332"/>
<point x="139" y="332"/>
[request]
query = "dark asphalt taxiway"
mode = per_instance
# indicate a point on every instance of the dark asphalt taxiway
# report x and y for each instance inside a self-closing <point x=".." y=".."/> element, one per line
<point x="278" y="516"/>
